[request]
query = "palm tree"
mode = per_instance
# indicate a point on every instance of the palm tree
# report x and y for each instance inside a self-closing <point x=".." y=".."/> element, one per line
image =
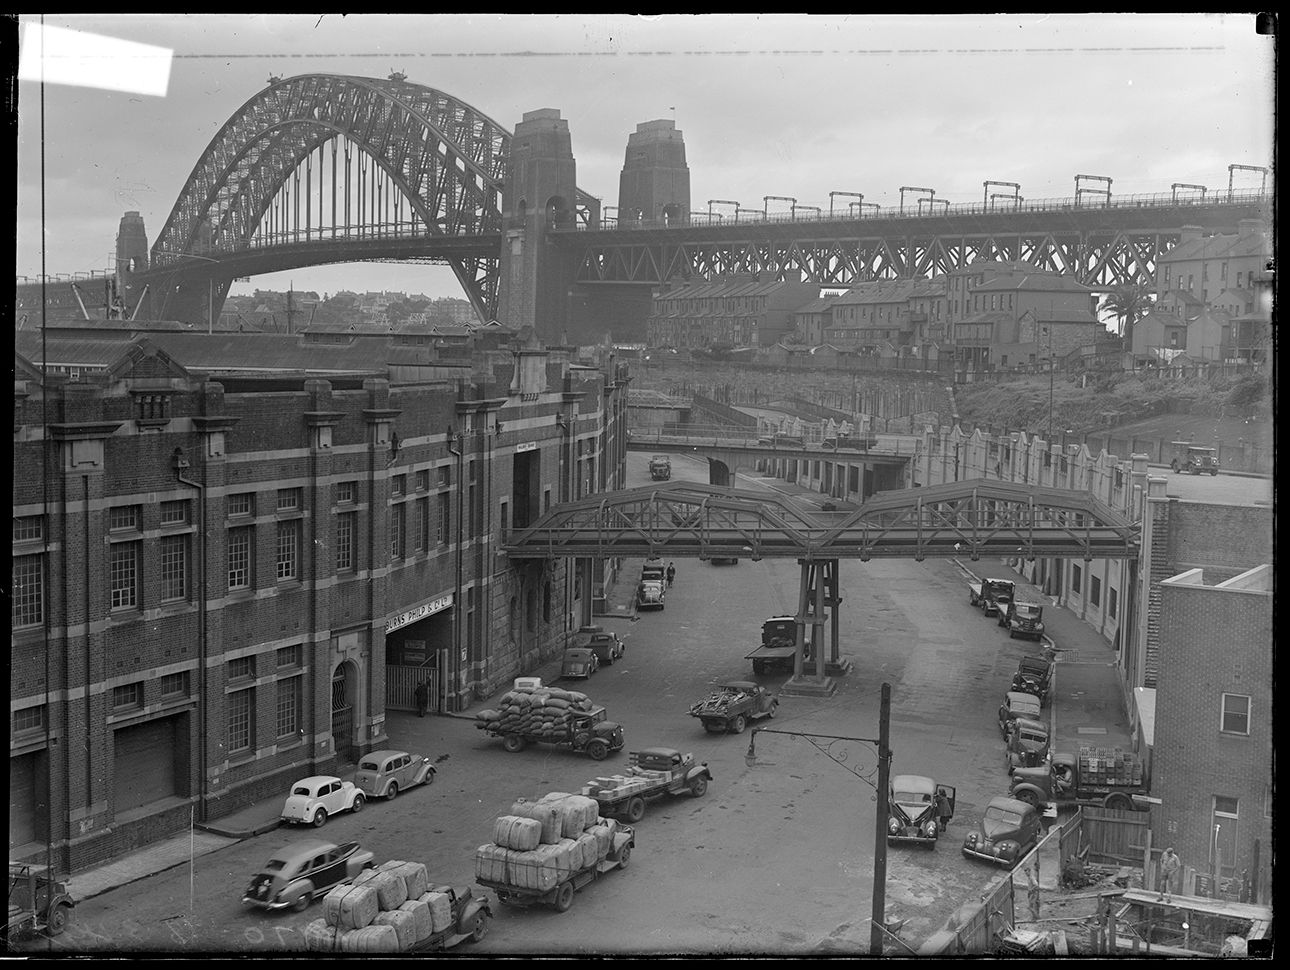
<point x="1128" y="303"/>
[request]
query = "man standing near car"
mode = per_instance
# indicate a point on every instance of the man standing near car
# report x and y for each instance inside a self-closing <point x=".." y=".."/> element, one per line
<point x="943" y="810"/>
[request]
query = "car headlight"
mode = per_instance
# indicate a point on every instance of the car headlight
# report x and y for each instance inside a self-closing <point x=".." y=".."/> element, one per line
<point x="893" y="825"/>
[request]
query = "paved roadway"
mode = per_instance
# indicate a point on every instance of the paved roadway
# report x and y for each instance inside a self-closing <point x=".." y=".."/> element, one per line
<point x="776" y="858"/>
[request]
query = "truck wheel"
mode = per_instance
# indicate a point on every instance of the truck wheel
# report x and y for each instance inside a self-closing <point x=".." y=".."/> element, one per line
<point x="57" y="919"/>
<point x="624" y="856"/>
<point x="1027" y="796"/>
<point x="738" y="724"/>
<point x="598" y="751"/>
<point x="1118" y="801"/>
<point x="513" y="743"/>
<point x="320" y="818"/>
<point x="481" y="927"/>
<point x="635" y="809"/>
<point x="563" y="897"/>
<point x="699" y="787"/>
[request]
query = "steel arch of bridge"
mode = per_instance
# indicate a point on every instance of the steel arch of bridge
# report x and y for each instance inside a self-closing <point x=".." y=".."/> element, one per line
<point x="1099" y="247"/>
<point x="446" y="157"/>
<point x="968" y="519"/>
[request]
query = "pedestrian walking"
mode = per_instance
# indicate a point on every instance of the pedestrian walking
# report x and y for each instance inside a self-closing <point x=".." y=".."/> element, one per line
<point x="671" y="572"/>
<point x="1169" y="866"/>
<point x="943" y="809"/>
<point x="422" y="695"/>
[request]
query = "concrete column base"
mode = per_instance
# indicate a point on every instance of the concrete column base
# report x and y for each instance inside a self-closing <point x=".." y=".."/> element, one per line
<point x="839" y="668"/>
<point x="809" y="687"/>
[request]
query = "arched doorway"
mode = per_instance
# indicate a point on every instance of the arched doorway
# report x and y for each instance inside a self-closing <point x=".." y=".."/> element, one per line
<point x="344" y="690"/>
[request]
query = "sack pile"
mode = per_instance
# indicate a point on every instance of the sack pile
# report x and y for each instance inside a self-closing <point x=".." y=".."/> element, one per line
<point x="388" y="909"/>
<point x="541" y="844"/>
<point x="535" y="711"/>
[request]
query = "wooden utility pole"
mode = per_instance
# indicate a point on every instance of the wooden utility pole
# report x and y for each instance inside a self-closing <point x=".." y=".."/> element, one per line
<point x="878" y="918"/>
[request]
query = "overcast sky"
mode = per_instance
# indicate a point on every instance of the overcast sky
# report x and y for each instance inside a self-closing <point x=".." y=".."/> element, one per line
<point x="783" y="105"/>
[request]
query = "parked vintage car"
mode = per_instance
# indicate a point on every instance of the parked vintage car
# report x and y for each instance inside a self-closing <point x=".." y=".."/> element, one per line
<point x="1017" y="704"/>
<point x="1008" y="830"/>
<point x="1034" y="676"/>
<point x="607" y="646"/>
<point x="578" y="662"/>
<point x="1023" y="620"/>
<point x="383" y="774"/>
<point x="313" y="799"/>
<point x="649" y="594"/>
<point x="299" y="873"/>
<point x="911" y="809"/>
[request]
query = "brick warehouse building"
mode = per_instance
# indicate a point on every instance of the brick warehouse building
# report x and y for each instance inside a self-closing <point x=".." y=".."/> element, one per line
<point x="220" y="585"/>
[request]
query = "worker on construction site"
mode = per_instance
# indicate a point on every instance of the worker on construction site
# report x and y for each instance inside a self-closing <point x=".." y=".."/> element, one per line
<point x="1169" y="866"/>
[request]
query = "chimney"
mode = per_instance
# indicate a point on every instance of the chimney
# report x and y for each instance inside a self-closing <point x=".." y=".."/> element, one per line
<point x="1190" y="234"/>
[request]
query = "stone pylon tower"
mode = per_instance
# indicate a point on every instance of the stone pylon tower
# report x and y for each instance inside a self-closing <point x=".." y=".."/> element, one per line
<point x="541" y="194"/>
<point x="131" y="256"/>
<point x="655" y="183"/>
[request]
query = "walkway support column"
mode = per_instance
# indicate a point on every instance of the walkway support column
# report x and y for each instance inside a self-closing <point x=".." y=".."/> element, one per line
<point x="810" y="609"/>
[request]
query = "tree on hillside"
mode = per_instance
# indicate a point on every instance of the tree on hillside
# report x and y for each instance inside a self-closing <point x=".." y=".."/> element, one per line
<point x="1128" y="303"/>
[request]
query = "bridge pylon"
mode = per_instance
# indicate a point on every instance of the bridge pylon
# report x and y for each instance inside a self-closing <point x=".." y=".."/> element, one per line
<point x="817" y="607"/>
<point x="541" y="195"/>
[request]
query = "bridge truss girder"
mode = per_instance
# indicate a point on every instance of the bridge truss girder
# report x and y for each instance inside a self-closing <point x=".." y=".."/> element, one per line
<point x="1095" y="257"/>
<point x="968" y="519"/>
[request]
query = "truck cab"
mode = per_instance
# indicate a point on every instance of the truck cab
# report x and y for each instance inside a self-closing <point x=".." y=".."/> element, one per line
<point x="1193" y="459"/>
<point x="660" y="468"/>
<point x="592" y="732"/>
<point x="1023" y="620"/>
<point x="1027" y="744"/>
<point x="996" y="594"/>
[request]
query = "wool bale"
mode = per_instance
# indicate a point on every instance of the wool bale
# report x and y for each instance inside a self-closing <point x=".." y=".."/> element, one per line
<point x="405" y="925"/>
<point x="568" y="856"/>
<point x="546" y="814"/>
<point x="414" y="876"/>
<point x="351" y="907"/>
<point x="516" y="832"/>
<point x="536" y="869"/>
<point x="590" y="850"/>
<point x="366" y="876"/>
<point x="391" y="891"/>
<point x="601" y="834"/>
<point x="490" y="863"/>
<point x="422" y="923"/>
<point x="370" y="939"/>
<point x="440" y="911"/>
<point x="321" y="938"/>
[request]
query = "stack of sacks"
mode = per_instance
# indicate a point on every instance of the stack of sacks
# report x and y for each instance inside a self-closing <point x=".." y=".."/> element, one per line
<point x="570" y="836"/>
<point x="535" y="711"/>
<point x="386" y="910"/>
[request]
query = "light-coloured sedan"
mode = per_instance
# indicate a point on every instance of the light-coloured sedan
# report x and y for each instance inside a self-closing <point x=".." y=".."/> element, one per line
<point x="313" y="799"/>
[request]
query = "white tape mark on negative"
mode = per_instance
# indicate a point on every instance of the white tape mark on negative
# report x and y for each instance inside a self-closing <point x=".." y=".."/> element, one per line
<point x="55" y="55"/>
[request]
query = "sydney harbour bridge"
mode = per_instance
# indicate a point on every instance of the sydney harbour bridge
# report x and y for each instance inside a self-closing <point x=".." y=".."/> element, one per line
<point x="320" y="169"/>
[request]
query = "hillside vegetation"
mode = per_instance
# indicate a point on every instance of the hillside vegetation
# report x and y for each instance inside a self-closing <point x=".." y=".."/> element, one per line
<point x="1090" y="404"/>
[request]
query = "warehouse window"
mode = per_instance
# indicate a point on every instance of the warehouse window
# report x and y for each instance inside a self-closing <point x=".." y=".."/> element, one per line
<point x="174" y="513"/>
<point x="288" y="656"/>
<point x="288" y="550"/>
<point x="288" y="499"/>
<point x="29" y="720"/>
<point x="1095" y="590"/>
<point x="240" y="705"/>
<point x="1236" y="714"/>
<point x="346" y="523"/>
<point x="243" y="503"/>
<point x="28" y="528"/>
<point x="423" y="480"/>
<point x="126" y="696"/>
<point x="1076" y="576"/>
<point x="421" y="529"/>
<point x="396" y="532"/>
<point x="123" y="518"/>
<point x="398" y="484"/>
<point x="241" y="668"/>
<point x="344" y="493"/>
<point x="288" y="715"/>
<point x="175" y="685"/>
<point x="240" y="544"/>
<point x="1112" y="602"/>
<point x="174" y="567"/>
<point x="123" y="575"/>
<point x="28" y="591"/>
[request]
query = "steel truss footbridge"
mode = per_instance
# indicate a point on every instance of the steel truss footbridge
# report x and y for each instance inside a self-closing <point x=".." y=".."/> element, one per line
<point x="968" y="519"/>
<point x="323" y="168"/>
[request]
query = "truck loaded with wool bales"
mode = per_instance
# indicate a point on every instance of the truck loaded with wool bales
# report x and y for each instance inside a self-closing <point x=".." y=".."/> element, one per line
<point x="532" y="714"/>
<point x="397" y="908"/>
<point x="544" y="851"/>
<point x="652" y="772"/>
